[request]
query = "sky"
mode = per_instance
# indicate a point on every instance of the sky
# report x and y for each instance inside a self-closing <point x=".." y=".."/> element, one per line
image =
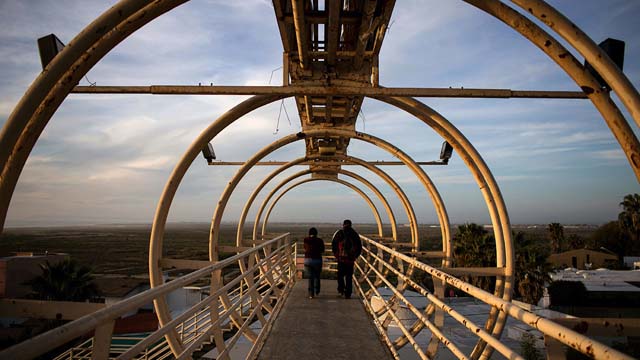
<point x="105" y="158"/>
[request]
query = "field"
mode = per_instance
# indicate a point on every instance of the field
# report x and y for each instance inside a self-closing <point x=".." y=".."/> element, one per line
<point x="123" y="249"/>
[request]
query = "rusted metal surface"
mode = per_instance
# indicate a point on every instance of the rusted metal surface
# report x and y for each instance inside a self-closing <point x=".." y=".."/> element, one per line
<point x="319" y="90"/>
<point x="586" y="81"/>
<point x="331" y="68"/>
<point x="589" y="50"/>
<point x="307" y="163"/>
<point x="376" y="254"/>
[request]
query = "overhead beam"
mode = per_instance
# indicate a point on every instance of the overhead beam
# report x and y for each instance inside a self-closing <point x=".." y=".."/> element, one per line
<point x="328" y="91"/>
<point x="301" y="31"/>
<point x="384" y="25"/>
<point x="333" y="32"/>
<point x="278" y="8"/>
<point x="366" y="30"/>
<point x="320" y="17"/>
<point x="323" y="163"/>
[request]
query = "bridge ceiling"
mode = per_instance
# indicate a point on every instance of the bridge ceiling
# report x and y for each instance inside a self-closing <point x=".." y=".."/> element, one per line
<point x="333" y="42"/>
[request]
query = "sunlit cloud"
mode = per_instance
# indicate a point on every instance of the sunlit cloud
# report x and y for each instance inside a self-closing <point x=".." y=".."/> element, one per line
<point x="107" y="157"/>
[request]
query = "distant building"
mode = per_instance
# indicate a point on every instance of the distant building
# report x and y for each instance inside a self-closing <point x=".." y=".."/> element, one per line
<point x="582" y="259"/>
<point x="16" y="270"/>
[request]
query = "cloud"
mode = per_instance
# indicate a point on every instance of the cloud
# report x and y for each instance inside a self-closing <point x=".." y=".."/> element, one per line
<point x="107" y="157"/>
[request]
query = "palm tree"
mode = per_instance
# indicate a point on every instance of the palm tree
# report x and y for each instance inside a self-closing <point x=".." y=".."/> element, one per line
<point x="474" y="247"/>
<point x="532" y="268"/>
<point x="64" y="281"/>
<point x="629" y="218"/>
<point x="556" y="232"/>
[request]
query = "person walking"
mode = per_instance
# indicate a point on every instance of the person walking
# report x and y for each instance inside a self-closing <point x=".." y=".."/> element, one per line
<point x="346" y="247"/>
<point x="313" y="250"/>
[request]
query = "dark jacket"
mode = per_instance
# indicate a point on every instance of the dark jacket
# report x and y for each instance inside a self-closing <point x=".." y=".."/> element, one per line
<point x="346" y="245"/>
<point x="313" y="247"/>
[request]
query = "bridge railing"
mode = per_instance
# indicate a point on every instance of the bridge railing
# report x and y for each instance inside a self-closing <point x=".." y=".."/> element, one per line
<point x="261" y="288"/>
<point x="380" y="266"/>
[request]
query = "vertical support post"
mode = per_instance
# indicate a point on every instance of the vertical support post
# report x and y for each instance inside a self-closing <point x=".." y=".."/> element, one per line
<point x="102" y="341"/>
<point x="285" y="69"/>
<point x="375" y="71"/>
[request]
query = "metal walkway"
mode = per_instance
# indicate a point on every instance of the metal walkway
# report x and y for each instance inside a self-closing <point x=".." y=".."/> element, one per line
<point x="325" y="327"/>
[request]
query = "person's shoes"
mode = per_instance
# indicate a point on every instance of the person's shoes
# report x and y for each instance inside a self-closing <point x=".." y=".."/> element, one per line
<point x="311" y="295"/>
<point x="347" y="296"/>
<point x="317" y="292"/>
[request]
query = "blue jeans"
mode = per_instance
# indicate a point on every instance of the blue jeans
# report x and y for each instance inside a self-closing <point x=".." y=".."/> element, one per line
<point x="345" y="276"/>
<point x="313" y="267"/>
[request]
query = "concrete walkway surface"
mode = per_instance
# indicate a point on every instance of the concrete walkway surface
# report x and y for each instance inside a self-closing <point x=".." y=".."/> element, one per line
<point x="325" y="327"/>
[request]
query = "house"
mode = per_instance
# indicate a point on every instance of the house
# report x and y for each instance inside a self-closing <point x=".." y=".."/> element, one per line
<point x="583" y="259"/>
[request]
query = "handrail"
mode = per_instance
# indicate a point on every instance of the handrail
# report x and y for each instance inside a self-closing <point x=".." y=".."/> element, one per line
<point x="549" y="328"/>
<point x="199" y="306"/>
<point x="42" y="343"/>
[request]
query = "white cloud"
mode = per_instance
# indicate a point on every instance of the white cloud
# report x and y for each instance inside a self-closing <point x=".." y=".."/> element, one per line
<point x="108" y="157"/>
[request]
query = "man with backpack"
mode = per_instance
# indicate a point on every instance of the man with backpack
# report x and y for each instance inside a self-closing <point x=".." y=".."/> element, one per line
<point x="346" y="246"/>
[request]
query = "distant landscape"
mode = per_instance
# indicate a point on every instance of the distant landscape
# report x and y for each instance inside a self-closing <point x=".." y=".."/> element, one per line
<point x="124" y="249"/>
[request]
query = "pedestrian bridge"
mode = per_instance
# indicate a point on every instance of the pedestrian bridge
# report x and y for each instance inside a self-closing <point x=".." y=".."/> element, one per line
<point x="330" y="64"/>
<point x="264" y="313"/>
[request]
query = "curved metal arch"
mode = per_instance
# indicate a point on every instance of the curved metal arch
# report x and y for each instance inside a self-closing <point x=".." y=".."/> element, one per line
<point x="490" y="191"/>
<point x="209" y="133"/>
<point x="417" y="170"/>
<point x="307" y="172"/>
<point x="341" y="171"/>
<point x="168" y="193"/>
<point x="572" y="67"/>
<point x="373" y="168"/>
<point x="37" y="106"/>
<point x="52" y="86"/>
<point x="34" y="110"/>
<point x="366" y="198"/>
<point x="376" y="170"/>
<point x="599" y="59"/>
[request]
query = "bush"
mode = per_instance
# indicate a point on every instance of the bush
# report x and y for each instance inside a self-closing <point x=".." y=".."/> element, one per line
<point x="528" y="347"/>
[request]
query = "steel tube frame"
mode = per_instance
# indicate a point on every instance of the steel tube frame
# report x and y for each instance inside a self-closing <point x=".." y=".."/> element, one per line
<point x="333" y="90"/>
<point x="471" y="326"/>
<point x="417" y="170"/>
<point x="258" y="101"/>
<point x="35" y="109"/>
<point x="30" y="116"/>
<point x="435" y="331"/>
<point x="328" y="162"/>
<point x="307" y="172"/>
<point x="489" y="189"/>
<point x="599" y="59"/>
<point x="354" y="160"/>
<point x="587" y="82"/>
<point x="42" y="343"/>
<point x="566" y="336"/>
<point x="403" y="199"/>
<point x="366" y="198"/>
<point x="168" y="193"/>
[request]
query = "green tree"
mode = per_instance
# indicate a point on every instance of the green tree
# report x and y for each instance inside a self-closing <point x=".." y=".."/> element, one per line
<point x="575" y="242"/>
<point x="528" y="346"/>
<point x="629" y="218"/>
<point x="474" y="247"/>
<point x="612" y="238"/>
<point x="532" y="268"/>
<point x="556" y="233"/>
<point x="64" y="281"/>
